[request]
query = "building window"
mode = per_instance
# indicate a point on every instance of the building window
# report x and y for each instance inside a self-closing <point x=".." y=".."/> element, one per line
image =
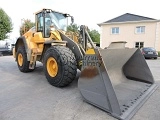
<point x="139" y="44"/>
<point x="115" y="30"/>
<point x="140" y="29"/>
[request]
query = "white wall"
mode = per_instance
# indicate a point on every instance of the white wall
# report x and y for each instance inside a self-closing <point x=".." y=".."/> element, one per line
<point x="127" y="33"/>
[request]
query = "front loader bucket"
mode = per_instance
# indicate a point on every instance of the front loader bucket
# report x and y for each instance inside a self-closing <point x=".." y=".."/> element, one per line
<point x="118" y="81"/>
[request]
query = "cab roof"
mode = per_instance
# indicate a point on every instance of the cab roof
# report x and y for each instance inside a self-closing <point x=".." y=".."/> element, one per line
<point x="49" y="9"/>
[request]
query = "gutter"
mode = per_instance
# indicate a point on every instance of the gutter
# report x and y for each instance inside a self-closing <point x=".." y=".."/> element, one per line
<point x="125" y="22"/>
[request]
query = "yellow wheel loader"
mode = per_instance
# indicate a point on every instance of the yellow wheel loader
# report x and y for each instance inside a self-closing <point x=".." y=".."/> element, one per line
<point x="116" y="79"/>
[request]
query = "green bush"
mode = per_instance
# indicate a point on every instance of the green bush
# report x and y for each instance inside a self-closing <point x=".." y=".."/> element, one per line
<point x="158" y="53"/>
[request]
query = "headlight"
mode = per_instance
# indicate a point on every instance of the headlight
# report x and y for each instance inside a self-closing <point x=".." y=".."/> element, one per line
<point x="53" y="29"/>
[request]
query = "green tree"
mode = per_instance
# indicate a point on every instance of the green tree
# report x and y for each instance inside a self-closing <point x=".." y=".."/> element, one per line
<point x="27" y="24"/>
<point x="95" y="36"/>
<point x="5" y="24"/>
<point x="73" y="28"/>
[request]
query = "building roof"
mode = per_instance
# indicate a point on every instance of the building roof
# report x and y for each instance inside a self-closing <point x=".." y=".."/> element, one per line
<point x="128" y="17"/>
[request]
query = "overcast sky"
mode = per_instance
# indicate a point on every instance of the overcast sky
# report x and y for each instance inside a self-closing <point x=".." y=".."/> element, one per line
<point x="86" y="12"/>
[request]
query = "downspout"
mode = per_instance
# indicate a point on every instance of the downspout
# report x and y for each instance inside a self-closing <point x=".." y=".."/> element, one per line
<point x="156" y="36"/>
<point x="101" y="36"/>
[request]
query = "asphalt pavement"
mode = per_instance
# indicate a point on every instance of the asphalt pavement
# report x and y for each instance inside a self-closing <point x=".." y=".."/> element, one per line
<point x="28" y="96"/>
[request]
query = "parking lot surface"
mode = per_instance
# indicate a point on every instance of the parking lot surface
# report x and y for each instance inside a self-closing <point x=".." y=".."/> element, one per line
<point x="28" y="96"/>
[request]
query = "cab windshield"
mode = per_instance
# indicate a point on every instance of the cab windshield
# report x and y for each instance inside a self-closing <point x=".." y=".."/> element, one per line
<point x="58" y="20"/>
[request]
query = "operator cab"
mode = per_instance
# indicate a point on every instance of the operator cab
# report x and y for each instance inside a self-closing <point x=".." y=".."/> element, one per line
<point x="48" y="20"/>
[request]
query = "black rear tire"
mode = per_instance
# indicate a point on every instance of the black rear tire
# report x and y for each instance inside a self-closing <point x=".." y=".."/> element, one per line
<point x="67" y="66"/>
<point x="25" y="66"/>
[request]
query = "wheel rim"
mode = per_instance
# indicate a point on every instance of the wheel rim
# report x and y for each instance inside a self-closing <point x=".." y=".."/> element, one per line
<point x="52" y="67"/>
<point x="20" y="59"/>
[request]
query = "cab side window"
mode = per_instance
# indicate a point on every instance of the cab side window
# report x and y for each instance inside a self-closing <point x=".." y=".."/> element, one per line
<point x="47" y="26"/>
<point x="40" y="22"/>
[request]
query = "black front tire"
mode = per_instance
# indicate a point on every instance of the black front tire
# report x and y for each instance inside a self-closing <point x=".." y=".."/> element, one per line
<point x="25" y="66"/>
<point x="67" y="66"/>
